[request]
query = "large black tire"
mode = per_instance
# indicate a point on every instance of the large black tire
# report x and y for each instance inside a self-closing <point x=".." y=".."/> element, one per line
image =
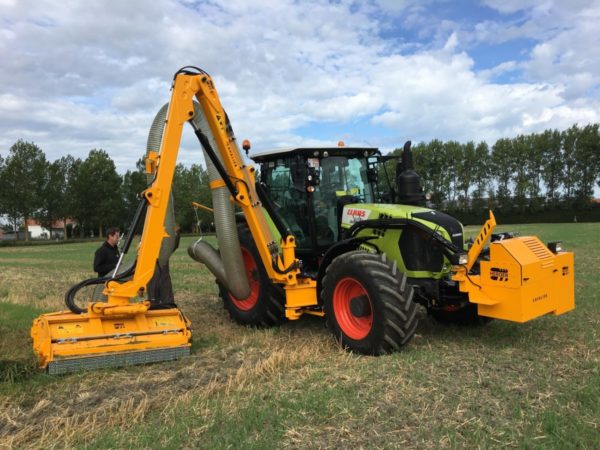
<point x="464" y="316"/>
<point x="264" y="307"/>
<point x="368" y="304"/>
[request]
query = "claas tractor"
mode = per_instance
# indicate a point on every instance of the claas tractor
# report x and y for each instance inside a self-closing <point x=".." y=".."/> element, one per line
<point x="372" y="262"/>
<point x="310" y="233"/>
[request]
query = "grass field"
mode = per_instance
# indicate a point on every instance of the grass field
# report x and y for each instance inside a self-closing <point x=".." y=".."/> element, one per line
<point x="535" y="385"/>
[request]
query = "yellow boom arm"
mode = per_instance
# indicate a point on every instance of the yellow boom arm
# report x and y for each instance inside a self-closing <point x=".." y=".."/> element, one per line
<point x="186" y="87"/>
<point x="121" y="332"/>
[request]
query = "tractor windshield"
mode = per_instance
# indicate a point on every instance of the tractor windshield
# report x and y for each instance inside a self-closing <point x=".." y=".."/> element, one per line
<point x="342" y="181"/>
<point x="343" y="176"/>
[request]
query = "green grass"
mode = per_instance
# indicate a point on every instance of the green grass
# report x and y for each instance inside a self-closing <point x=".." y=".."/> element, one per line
<point x="533" y="385"/>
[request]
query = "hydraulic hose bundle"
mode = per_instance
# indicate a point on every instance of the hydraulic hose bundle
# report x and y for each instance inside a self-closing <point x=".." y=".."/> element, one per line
<point x="70" y="295"/>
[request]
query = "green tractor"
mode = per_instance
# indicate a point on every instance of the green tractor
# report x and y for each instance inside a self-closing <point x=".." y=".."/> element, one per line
<point x="385" y="258"/>
<point x="368" y="255"/>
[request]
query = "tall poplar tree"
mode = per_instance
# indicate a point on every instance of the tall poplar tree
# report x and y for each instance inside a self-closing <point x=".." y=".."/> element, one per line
<point x="22" y="181"/>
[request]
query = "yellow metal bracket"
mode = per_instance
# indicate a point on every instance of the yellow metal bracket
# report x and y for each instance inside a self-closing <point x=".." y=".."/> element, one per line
<point x="107" y="309"/>
<point x="216" y="184"/>
<point x="467" y="283"/>
<point x="153" y="196"/>
<point x="482" y="237"/>
<point x="152" y="162"/>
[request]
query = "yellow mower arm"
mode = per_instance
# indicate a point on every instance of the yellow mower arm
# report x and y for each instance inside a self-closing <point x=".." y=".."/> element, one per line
<point x="121" y="331"/>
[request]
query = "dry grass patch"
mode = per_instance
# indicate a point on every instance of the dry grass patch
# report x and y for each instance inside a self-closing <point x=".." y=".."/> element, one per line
<point x="503" y="385"/>
<point x="56" y="412"/>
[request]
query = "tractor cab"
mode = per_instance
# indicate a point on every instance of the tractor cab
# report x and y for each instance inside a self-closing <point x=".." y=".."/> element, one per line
<point x="309" y="188"/>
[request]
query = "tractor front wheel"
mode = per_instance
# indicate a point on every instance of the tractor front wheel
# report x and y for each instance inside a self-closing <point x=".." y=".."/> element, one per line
<point x="368" y="304"/>
<point x="264" y="306"/>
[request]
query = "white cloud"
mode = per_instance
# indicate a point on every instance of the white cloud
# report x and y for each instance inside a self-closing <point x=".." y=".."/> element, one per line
<point x="445" y="98"/>
<point x="512" y="6"/>
<point x="500" y="69"/>
<point x="571" y="58"/>
<point x="567" y="52"/>
<point x="83" y="75"/>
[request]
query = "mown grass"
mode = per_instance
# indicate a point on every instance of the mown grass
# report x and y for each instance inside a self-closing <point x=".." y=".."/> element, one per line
<point x="534" y="385"/>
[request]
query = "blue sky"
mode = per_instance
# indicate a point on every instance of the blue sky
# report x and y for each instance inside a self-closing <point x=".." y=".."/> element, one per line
<point x="82" y="75"/>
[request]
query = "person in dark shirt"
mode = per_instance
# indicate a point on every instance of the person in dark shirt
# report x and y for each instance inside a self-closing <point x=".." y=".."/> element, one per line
<point x="107" y="256"/>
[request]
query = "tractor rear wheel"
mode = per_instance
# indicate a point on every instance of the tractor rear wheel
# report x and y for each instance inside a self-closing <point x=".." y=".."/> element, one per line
<point x="265" y="305"/>
<point x="368" y="304"/>
<point x="464" y="315"/>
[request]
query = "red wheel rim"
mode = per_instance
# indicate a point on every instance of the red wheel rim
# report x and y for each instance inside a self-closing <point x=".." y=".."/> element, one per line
<point x="355" y="327"/>
<point x="249" y="302"/>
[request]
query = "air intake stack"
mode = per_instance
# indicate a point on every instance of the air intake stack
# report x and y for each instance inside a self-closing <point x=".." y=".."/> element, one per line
<point x="408" y="182"/>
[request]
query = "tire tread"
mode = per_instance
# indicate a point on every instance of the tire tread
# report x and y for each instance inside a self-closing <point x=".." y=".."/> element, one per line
<point x="391" y="289"/>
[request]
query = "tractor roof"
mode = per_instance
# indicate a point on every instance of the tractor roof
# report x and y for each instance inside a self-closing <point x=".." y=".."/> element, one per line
<point x="313" y="152"/>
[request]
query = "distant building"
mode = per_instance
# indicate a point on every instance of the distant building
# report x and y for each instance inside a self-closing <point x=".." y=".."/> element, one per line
<point x="36" y="231"/>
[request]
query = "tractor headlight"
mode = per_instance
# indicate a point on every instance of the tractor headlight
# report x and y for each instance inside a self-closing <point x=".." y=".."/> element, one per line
<point x="555" y="246"/>
<point x="459" y="259"/>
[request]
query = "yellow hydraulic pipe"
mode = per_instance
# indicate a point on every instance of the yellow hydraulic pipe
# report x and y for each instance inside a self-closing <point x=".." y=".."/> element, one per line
<point x="199" y="206"/>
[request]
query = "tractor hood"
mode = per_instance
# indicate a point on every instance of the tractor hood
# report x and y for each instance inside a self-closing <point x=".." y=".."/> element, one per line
<point x="408" y="234"/>
<point x="446" y="225"/>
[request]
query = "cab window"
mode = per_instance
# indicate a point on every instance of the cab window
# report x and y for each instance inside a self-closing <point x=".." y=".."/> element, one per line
<point x="341" y="180"/>
<point x="289" y="200"/>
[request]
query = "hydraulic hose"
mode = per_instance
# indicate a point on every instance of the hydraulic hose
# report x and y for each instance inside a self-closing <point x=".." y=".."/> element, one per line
<point x="70" y="295"/>
<point x="229" y="244"/>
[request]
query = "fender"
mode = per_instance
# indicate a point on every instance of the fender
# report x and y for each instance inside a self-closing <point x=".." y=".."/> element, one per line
<point x="341" y="247"/>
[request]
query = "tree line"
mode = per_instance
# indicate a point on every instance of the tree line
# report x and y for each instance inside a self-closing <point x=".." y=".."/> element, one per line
<point x="524" y="177"/>
<point x="89" y="191"/>
<point x="549" y="176"/>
